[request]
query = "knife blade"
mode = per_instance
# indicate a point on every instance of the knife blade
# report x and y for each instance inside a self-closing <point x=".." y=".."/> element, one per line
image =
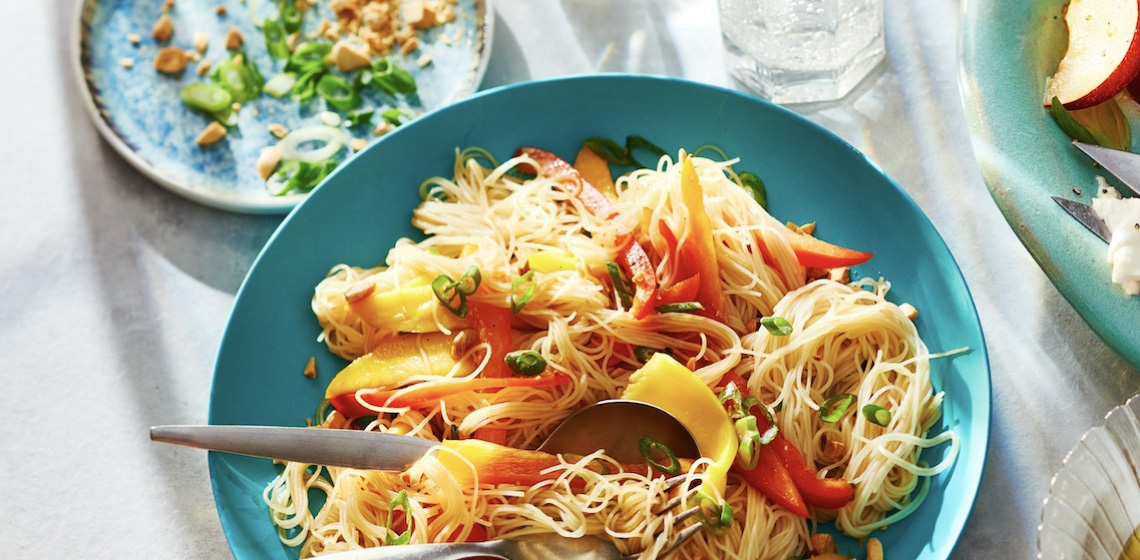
<point x="1086" y="216"/>
<point x="341" y="448"/>
<point x="1125" y="166"/>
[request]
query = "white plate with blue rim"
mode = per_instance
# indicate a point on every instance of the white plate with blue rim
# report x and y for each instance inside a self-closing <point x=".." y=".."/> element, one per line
<point x="138" y="110"/>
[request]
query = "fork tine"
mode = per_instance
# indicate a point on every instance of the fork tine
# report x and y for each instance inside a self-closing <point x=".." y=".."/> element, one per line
<point x="681" y="537"/>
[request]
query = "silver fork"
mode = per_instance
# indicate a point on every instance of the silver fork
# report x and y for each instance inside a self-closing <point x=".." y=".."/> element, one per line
<point x="543" y="546"/>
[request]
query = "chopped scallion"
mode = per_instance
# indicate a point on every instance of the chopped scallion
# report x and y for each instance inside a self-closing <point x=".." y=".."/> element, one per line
<point x="777" y="326"/>
<point x="400" y="501"/>
<point x="392" y="78"/>
<point x="393" y="116"/>
<point x="748" y="452"/>
<point x="469" y="282"/>
<point x="206" y="97"/>
<point x="755" y="187"/>
<point x="835" y="407"/>
<point x="445" y="291"/>
<point x="876" y="414"/>
<point x="280" y="85"/>
<point x="682" y="307"/>
<point x="618" y="280"/>
<point x="519" y="302"/>
<point x="309" y="57"/>
<point x="338" y="93"/>
<point x="291" y="16"/>
<point x="650" y="447"/>
<point x="527" y="363"/>
<point x="643" y="353"/>
<point x="358" y="118"/>
<point x="275" y="39"/>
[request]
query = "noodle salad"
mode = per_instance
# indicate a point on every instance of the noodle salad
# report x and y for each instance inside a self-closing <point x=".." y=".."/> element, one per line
<point x="542" y="286"/>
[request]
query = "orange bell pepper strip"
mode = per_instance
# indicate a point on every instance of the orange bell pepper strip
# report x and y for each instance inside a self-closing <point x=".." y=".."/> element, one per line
<point x="685" y="290"/>
<point x="595" y="171"/>
<point x="494" y="327"/>
<point x="696" y="256"/>
<point x="817" y="253"/>
<point x="431" y="393"/>
<point x="631" y="256"/>
<point x="825" y="493"/>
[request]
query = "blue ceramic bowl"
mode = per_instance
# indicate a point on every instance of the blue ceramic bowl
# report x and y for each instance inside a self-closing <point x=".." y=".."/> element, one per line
<point x="361" y="210"/>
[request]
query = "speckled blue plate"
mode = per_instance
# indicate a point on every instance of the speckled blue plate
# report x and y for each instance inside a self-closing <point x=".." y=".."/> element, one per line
<point x="138" y="112"/>
<point x="364" y="207"/>
<point x="1008" y="48"/>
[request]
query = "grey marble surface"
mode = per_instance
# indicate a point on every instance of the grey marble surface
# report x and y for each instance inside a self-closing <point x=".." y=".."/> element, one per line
<point x="114" y="293"/>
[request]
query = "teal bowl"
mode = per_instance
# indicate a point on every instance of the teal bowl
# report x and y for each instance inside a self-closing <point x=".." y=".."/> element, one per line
<point x="361" y="210"/>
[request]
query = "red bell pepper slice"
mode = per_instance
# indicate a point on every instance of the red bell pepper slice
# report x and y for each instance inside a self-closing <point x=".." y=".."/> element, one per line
<point x="432" y="393"/>
<point x="825" y="493"/>
<point x="494" y="327"/>
<point x="631" y="257"/>
<point x="685" y="290"/>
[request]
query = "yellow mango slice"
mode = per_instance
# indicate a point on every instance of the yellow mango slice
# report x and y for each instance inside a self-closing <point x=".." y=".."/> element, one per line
<point x="411" y="309"/>
<point x="551" y="261"/>
<point x="394" y="361"/>
<point x="664" y="382"/>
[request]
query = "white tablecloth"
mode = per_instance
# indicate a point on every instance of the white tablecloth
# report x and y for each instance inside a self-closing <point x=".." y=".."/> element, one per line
<point x="114" y="292"/>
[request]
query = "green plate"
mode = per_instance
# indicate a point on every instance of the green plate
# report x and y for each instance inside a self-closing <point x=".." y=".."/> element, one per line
<point x="1008" y="48"/>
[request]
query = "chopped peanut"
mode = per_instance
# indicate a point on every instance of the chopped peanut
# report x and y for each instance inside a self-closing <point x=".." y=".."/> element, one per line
<point x="418" y="14"/>
<point x="203" y="67"/>
<point x="220" y="10"/>
<point x="201" y="41"/>
<point x="268" y="160"/>
<point x="277" y="130"/>
<point x="233" y="39"/>
<point x="133" y="38"/>
<point x="311" y="368"/>
<point x="909" y="310"/>
<point x="170" y="60"/>
<point x="167" y="5"/>
<point x="839" y="274"/>
<point x="163" y="28"/>
<point x="127" y="63"/>
<point x="410" y="45"/>
<point x="382" y="128"/>
<point x="357" y="144"/>
<point x="359" y="291"/>
<point x="212" y="133"/>
<point x="424" y="60"/>
<point x="348" y="56"/>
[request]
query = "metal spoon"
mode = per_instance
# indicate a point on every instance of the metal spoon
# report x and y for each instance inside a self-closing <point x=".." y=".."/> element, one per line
<point x="613" y="425"/>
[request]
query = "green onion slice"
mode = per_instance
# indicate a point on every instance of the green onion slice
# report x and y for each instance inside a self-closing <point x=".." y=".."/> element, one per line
<point x="469" y="282"/>
<point x="206" y="97"/>
<point x="876" y="414"/>
<point x="275" y="39"/>
<point x="777" y="326"/>
<point x="643" y="353"/>
<point x="393" y="116"/>
<point x="682" y="307"/>
<point x="711" y="513"/>
<point x="400" y="501"/>
<point x="322" y="411"/>
<point x="618" y="280"/>
<point x="748" y="453"/>
<point x="287" y="177"/>
<point x="527" y="363"/>
<point x="445" y="290"/>
<point x="519" y="302"/>
<point x="338" y="93"/>
<point x="308" y="57"/>
<point x="731" y="397"/>
<point x="291" y="16"/>
<point x="280" y="85"/>
<point x="358" y="118"/>
<point x="648" y="447"/>
<point x="392" y="78"/>
<point x="755" y="187"/>
<point x="835" y="407"/>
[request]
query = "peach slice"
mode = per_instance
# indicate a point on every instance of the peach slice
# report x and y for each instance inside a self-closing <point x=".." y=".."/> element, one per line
<point x="1103" y="54"/>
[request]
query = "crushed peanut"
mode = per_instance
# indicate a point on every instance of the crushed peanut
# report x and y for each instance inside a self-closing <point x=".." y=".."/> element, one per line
<point x="193" y="55"/>
<point x="220" y="10"/>
<point x="127" y="63"/>
<point x="234" y="39"/>
<point x="268" y="160"/>
<point x="874" y="549"/>
<point x="133" y="38"/>
<point x="358" y="144"/>
<point x="203" y="67"/>
<point x="167" y="5"/>
<point x="382" y="128"/>
<point x="170" y="60"/>
<point x="349" y="56"/>
<point x="359" y="291"/>
<point x="909" y="310"/>
<point x="235" y="107"/>
<point x="410" y="45"/>
<point x="424" y="60"/>
<point x="311" y="368"/>
<point x="201" y="41"/>
<point x="822" y="543"/>
<point x="839" y="274"/>
<point x="277" y="130"/>
<point x="212" y="133"/>
<point x="163" y="28"/>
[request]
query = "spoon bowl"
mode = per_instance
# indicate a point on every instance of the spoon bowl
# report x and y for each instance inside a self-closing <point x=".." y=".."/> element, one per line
<point x="617" y="427"/>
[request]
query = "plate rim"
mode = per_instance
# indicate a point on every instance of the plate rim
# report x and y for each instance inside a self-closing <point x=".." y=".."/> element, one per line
<point x="980" y="415"/>
<point x="214" y="198"/>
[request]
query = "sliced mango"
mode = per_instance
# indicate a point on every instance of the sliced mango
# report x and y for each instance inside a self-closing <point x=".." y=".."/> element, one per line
<point x="664" y="382"/>
<point x="409" y="310"/>
<point x="394" y="361"/>
<point x="551" y="260"/>
<point x="596" y="171"/>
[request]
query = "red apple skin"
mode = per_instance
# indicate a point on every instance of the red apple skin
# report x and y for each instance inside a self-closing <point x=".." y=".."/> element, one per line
<point x="1121" y="76"/>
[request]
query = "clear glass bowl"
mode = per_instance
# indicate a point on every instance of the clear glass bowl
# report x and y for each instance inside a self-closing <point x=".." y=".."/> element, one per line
<point x="1093" y="508"/>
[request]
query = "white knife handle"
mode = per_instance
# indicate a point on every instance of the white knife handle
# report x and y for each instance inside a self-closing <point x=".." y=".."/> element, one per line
<point x="438" y="551"/>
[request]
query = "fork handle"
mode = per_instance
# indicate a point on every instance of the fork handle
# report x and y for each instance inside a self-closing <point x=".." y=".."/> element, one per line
<point x="435" y="551"/>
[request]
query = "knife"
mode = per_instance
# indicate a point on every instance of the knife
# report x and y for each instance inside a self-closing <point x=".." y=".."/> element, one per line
<point x="340" y="448"/>
<point x="1086" y="216"/>
<point x="1124" y="165"/>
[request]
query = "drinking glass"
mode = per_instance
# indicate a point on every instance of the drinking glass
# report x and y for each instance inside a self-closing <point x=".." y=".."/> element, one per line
<point x="799" y="51"/>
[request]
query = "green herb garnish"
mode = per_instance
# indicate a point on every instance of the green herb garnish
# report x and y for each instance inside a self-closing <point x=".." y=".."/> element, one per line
<point x="835" y="407"/>
<point x="526" y="363"/>
<point x="649" y="447"/>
